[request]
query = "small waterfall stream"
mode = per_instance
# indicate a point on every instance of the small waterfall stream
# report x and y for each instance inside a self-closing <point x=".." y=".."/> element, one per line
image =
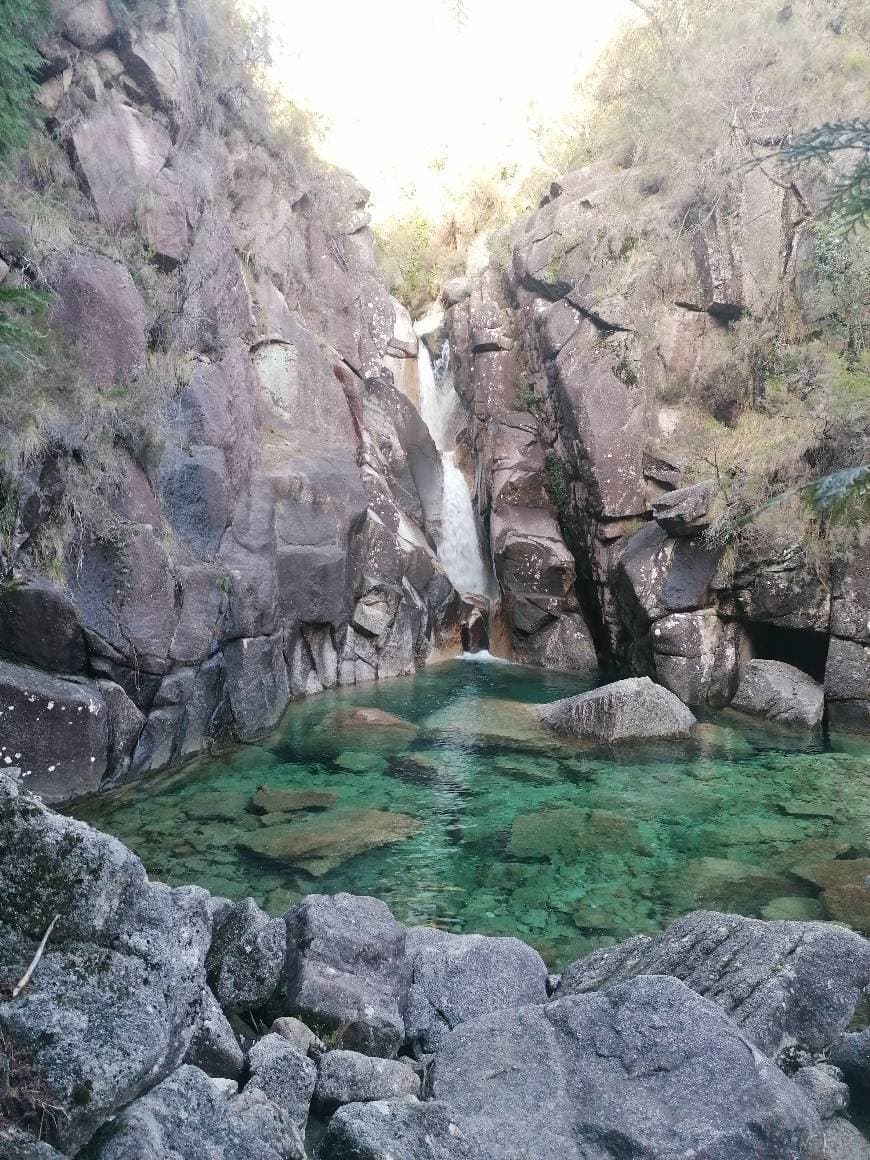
<point x="460" y="550"/>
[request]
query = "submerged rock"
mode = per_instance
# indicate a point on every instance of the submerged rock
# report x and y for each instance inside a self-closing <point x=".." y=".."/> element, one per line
<point x="455" y="978"/>
<point x="635" y="709"/>
<point x="781" y="693"/>
<point x="320" y="844"/>
<point x="568" y="833"/>
<point x="783" y="983"/>
<point x="189" y="1116"/>
<point x="347" y="975"/>
<point x="274" y="800"/>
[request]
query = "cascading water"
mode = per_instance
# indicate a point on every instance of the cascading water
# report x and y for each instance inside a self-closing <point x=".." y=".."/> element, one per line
<point x="459" y="551"/>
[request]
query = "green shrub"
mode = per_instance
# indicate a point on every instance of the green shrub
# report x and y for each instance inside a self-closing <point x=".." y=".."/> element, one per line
<point x="559" y="485"/>
<point x="22" y="22"/>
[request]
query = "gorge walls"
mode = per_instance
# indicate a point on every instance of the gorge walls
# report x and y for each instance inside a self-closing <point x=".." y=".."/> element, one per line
<point x="603" y="372"/>
<point x="275" y="533"/>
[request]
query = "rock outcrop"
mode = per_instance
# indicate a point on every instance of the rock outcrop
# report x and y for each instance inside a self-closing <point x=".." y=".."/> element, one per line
<point x="585" y="376"/>
<point x="708" y="1039"/>
<point x="278" y="531"/>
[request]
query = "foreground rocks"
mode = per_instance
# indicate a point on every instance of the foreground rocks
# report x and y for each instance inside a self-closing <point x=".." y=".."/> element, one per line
<point x="141" y="1034"/>
<point x="630" y="710"/>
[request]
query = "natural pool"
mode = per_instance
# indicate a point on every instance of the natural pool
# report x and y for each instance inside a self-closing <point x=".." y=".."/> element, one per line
<point x="472" y="818"/>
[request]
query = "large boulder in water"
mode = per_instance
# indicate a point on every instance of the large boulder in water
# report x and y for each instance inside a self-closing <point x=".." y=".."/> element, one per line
<point x="635" y="709"/>
<point x="649" y="1069"/>
<point x="456" y="977"/>
<point x="781" y="693"/>
<point x="783" y="983"/>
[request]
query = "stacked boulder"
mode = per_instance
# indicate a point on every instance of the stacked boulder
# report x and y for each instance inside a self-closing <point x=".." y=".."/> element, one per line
<point x="163" y="1022"/>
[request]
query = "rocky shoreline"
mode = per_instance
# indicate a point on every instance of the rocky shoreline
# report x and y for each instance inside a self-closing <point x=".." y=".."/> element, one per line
<point x="169" y="1022"/>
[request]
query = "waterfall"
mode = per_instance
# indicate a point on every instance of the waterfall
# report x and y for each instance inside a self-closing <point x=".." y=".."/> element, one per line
<point x="459" y="550"/>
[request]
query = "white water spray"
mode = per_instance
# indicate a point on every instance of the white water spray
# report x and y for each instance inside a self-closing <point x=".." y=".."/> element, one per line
<point x="459" y="550"/>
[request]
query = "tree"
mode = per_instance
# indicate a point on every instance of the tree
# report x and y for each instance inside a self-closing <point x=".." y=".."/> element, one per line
<point x="22" y="22"/>
<point x="849" y="199"/>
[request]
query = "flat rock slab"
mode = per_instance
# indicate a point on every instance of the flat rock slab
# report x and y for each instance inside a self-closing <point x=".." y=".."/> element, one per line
<point x="273" y="800"/>
<point x="783" y="983"/>
<point x="635" y="709"/>
<point x="780" y="693"/>
<point x="320" y="844"/>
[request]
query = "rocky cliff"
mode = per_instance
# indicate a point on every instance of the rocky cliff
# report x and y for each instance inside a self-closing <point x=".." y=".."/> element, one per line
<point x="629" y="327"/>
<point x="274" y="533"/>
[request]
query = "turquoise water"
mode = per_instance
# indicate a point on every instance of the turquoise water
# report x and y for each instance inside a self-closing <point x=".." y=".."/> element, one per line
<point x="471" y="817"/>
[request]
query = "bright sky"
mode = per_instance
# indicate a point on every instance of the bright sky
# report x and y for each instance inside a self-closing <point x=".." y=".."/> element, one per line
<point x="415" y="101"/>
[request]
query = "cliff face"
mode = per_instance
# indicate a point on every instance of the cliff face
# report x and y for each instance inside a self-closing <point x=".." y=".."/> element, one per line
<point x="622" y="306"/>
<point x="278" y="526"/>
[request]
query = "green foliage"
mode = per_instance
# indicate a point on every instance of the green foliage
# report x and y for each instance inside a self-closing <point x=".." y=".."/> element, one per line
<point x="559" y="485"/>
<point x="848" y="202"/>
<point x="22" y="331"/>
<point x="526" y="399"/>
<point x="22" y="22"/>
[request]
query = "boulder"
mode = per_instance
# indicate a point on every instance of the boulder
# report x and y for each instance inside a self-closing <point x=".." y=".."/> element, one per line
<point x="273" y="800"/>
<point x="455" y="978"/>
<point x="296" y="1033"/>
<point x="346" y="1077"/>
<point x="657" y="575"/>
<point x="840" y="1140"/>
<point x="627" y="1072"/>
<point x="284" y="1075"/>
<point x="785" y="984"/>
<point x="347" y="974"/>
<point x="686" y="512"/>
<point x="88" y="24"/>
<point x="99" y="308"/>
<point x="39" y="625"/>
<point x="403" y="1128"/>
<point x="696" y="656"/>
<point x="119" y="153"/>
<point x="189" y="1116"/>
<point x="54" y="730"/>
<point x="214" y="1047"/>
<point x="824" y="1086"/>
<point x="246" y="959"/>
<point x="780" y="693"/>
<point x="851" y="1054"/>
<point x="113" y="1005"/>
<point x="125" y="725"/>
<point x="631" y="710"/>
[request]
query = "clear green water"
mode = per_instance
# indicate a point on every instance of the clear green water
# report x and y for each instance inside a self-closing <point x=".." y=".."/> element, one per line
<point x="506" y="829"/>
